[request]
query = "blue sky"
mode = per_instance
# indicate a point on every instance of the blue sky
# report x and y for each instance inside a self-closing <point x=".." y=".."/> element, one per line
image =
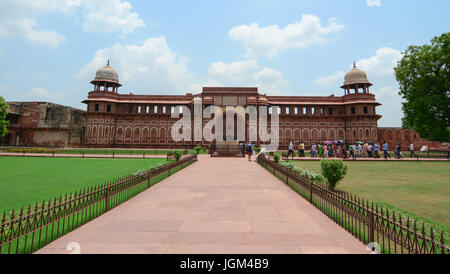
<point x="50" y="49"/>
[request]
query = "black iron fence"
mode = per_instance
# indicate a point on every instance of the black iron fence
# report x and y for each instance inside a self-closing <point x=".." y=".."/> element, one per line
<point x="31" y="228"/>
<point x="365" y="220"/>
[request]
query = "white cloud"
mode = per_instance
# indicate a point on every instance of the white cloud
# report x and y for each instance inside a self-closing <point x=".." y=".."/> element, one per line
<point x="41" y="94"/>
<point x="382" y="64"/>
<point x="20" y="18"/>
<point x="269" y="41"/>
<point x="380" y="72"/>
<point x="379" y="67"/>
<point x="233" y="72"/>
<point x="373" y="3"/>
<point x="330" y="80"/>
<point x="247" y="73"/>
<point x="150" y="66"/>
<point x="110" y="16"/>
<point x="20" y="24"/>
<point x="270" y="81"/>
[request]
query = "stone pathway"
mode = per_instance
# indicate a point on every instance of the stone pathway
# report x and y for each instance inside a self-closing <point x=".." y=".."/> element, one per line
<point x="219" y="206"/>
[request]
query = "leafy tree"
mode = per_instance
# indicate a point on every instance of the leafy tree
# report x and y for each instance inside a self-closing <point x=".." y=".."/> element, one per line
<point x="333" y="171"/>
<point x="424" y="77"/>
<point x="3" y="122"/>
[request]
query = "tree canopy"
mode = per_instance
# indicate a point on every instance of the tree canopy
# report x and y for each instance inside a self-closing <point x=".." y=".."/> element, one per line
<point x="423" y="74"/>
<point x="3" y="122"/>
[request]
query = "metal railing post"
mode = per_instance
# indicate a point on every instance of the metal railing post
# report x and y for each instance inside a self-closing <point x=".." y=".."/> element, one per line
<point x="287" y="176"/>
<point x="310" y="192"/>
<point x="107" y="199"/>
<point x="371" y="227"/>
<point x="149" y="176"/>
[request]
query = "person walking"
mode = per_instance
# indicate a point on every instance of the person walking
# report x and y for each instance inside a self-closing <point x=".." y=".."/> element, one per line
<point x="376" y="149"/>
<point x="313" y="151"/>
<point x="411" y="151"/>
<point x="303" y="149"/>
<point x="366" y="150"/>
<point x="325" y="151"/>
<point x="249" y="151"/>
<point x="370" y="150"/>
<point x="400" y="151"/>
<point x="385" y="150"/>
<point x="352" y="151"/>
<point x="291" y="149"/>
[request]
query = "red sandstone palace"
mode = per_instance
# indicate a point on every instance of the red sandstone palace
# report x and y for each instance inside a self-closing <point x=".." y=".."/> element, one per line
<point x="128" y="120"/>
<point x="144" y="121"/>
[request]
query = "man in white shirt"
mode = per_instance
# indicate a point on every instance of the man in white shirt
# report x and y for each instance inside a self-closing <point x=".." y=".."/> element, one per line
<point x="291" y="149"/>
<point x="369" y="150"/>
<point x="313" y="151"/>
<point x="411" y="150"/>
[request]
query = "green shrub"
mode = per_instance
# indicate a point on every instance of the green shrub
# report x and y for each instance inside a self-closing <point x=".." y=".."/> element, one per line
<point x="333" y="171"/>
<point x="198" y="149"/>
<point x="32" y="150"/>
<point x="257" y="150"/>
<point x="177" y="155"/>
<point x="288" y="165"/>
<point x="276" y="158"/>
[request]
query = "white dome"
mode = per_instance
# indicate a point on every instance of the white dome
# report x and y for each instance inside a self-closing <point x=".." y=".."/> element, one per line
<point x="356" y="76"/>
<point x="107" y="73"/>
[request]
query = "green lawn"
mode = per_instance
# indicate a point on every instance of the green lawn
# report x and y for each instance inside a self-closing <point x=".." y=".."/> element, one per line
<point x="106" y="151"/>
<point x="419" y="188"/>
<point x="124" y="151"/>
<point x="27" y="180"/>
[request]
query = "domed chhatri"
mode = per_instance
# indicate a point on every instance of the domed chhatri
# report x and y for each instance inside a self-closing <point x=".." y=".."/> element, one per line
<point x="106" y="79"/>
<point x="107" y="73"/>
<point x="356" y="79"/>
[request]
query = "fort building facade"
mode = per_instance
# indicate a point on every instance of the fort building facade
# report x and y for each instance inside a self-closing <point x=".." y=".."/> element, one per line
<point x="128" y="120"/>
<point x="114" y="119"/>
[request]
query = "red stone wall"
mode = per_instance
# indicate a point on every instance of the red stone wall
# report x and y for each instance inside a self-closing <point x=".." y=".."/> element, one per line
<point x="405" y="137"/>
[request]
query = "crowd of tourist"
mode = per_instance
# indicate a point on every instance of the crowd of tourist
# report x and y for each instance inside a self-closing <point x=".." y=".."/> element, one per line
<point x="339" y="149"/>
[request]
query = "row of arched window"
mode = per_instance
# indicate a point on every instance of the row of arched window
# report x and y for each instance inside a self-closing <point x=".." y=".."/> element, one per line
<point x="284" y="133"/>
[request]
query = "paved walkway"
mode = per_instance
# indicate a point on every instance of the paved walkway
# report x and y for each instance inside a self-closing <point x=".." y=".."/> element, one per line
<point x="218" y="205"/>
